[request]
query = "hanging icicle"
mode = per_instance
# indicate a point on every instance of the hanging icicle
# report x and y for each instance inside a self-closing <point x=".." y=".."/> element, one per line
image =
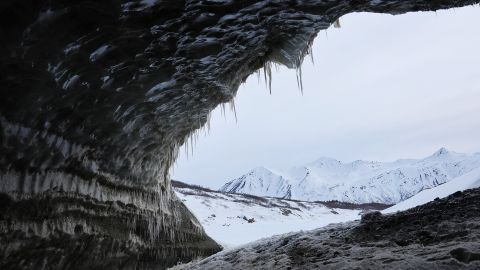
<point x="336" y="24"/>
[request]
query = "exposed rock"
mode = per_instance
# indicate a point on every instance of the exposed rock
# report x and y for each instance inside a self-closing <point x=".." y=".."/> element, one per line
<point x="97" y="96"/>
<point x="443" y="234"/>
<point x="249" y="220"/>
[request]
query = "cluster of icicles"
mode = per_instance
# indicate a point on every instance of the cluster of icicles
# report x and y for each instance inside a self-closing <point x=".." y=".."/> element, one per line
<point x="266" y="73"/>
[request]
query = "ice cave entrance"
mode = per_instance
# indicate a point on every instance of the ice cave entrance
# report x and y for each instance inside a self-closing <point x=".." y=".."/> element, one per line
<point x="370" y="88"/>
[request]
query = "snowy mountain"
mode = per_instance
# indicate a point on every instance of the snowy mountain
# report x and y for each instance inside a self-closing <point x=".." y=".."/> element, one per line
<point x="356" y="182"/>
<point x="226" y="217"/>
<point x="461" y="183"/>
<point x="267" y="183"/>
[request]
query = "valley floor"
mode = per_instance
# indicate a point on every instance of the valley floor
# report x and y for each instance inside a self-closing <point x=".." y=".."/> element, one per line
<point x="443" y="234"/>
<point x="236" y="219"/>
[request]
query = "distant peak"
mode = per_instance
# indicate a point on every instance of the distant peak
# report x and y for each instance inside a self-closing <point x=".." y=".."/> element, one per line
<point x="441" y="152"/>
<point x="260" y="169"/>
<point x="326" y="160"/>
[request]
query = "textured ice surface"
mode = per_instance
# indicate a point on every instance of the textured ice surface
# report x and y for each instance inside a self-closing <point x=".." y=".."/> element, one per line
<point x="85" y="152"/>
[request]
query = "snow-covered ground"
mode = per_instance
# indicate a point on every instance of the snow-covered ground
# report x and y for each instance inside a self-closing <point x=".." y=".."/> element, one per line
<point x="357" y="182"/>
<point x="466" y="181"/>
<point x="235" y="219"/>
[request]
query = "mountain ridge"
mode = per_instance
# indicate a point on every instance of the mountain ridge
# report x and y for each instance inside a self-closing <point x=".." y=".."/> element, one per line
<point x="356" y="182"/>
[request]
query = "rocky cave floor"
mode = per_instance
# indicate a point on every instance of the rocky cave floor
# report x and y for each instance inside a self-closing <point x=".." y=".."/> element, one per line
<point x="443" y="234"/>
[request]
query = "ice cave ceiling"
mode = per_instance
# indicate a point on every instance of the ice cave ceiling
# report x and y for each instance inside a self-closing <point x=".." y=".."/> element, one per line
<point x="97" y="97"/>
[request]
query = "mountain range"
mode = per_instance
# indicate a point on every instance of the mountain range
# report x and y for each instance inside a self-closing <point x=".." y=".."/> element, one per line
<point x="356" y="182"/>
<point x="226" y="216"/>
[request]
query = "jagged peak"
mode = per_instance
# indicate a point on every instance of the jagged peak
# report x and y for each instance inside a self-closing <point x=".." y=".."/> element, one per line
<point x="260" y="169"/>
<point x="441" y="152"/>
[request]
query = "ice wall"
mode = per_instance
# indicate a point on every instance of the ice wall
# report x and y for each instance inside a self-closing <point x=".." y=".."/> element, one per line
<point x="97" y="96"/>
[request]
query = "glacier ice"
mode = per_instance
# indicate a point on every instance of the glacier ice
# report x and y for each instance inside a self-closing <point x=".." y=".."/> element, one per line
<point x="84" y="159"/>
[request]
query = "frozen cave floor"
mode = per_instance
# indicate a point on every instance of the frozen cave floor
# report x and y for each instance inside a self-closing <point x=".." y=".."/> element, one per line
<point x="442" y="234"/>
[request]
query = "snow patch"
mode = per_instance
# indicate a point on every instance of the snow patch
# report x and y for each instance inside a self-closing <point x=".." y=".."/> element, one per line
<point x="226" y="217"/>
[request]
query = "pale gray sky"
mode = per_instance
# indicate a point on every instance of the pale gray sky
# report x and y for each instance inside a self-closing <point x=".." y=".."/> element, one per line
<point x="382" y="87"/>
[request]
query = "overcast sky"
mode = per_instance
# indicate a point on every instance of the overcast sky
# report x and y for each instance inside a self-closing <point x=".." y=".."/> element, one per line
<point x="382" y="87"/>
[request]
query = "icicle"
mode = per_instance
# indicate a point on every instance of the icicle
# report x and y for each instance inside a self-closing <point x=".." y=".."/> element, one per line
<point x="310" y="52"/>
<point x="191" y="143"/>
<point x="299" y="78"/>
<point x="186" y="148"/>
<point x="276" y="67"/>
<point x="223" y="111"/>
<point x="209" y="116"/>
<point x="232" y="107"/>
<point x="194" y="141"/>
<point x="336" y="24"/>
<point x="267" y="71"/>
